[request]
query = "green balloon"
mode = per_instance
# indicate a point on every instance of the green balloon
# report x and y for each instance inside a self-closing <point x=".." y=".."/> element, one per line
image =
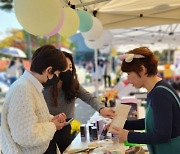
<point x="86" y="21"/>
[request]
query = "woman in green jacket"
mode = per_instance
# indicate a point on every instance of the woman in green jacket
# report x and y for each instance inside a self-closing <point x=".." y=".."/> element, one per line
<point x="162" y="120"/>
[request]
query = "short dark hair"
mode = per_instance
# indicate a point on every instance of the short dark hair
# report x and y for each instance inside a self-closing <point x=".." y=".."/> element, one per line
<point x="150" y="62"/>
<point x="47" y="56"/>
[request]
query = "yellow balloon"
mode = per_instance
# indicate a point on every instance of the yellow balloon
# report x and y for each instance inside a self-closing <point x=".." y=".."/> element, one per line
<point x="71" y="22"/>
<point x="38" y="17"/>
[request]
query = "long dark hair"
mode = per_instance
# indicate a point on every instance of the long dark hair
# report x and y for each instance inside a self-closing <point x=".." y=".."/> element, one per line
<point x="70" y="88"/>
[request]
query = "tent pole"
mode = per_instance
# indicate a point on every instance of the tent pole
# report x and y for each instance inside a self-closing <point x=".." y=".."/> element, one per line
<point x="96" y="72"/>
<point x="29" y="46"/>
<point x="169" y="55"/>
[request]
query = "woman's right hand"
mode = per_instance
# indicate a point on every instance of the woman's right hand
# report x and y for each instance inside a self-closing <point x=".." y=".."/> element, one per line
<point x="120" y="132"/>
<point x="107" y="112"/>
<point x="59" y="121"/>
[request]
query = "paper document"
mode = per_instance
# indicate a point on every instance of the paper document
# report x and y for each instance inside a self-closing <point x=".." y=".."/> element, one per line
<point x="121" y="112"/>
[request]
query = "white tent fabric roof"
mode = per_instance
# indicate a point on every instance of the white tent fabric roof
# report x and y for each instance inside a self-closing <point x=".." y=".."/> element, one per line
<point x="151" y="23"/>
<point x="134" y="13"/>
<point x="156" y="37"/>
<point x="127" y="20"/>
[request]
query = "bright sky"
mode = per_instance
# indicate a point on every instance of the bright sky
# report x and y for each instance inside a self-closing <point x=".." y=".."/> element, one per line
<point x="8" y="21"/>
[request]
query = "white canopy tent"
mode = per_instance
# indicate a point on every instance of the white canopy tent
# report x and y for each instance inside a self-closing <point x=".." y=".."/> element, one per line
<point x="132" y="13"/>
<point x="152" y="23"/>
<point x="155" y="37"/>
<point x="136" y="23"/>
<point x="138" y="13"/>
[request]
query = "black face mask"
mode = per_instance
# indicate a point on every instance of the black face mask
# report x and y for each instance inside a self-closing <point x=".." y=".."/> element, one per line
<point x="65" y="76"/>
<point x="51" y="82"/>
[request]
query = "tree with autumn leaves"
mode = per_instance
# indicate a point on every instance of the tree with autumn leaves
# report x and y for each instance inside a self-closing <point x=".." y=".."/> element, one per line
<point x="19" y="38"/>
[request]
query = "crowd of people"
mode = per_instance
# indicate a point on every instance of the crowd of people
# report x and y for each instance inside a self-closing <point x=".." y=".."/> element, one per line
<point x="40" y="101"/>
<point x="105" y="73"/>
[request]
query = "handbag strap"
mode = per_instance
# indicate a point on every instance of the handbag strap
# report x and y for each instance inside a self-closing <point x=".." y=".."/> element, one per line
<point x="171" y="93"/>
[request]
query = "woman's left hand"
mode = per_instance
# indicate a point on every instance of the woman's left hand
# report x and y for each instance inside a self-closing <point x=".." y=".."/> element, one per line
<point x="107" y="112"/>
<point x="62" y="118"/>
<point x="121" y="133"/>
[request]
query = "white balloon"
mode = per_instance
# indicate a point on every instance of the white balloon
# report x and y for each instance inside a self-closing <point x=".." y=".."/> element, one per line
<point x="102" y="42"/>
<point x="95" y="32"/>
<point x="105" y="49"/>
<point x="107" y="37"/>
<point x="95" y="44"/>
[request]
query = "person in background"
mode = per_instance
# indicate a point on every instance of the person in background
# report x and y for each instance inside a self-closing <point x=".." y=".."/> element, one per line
<point x="161" y="124"/>
<point x="12" y="71"/>
<point x="61" y="98"/>
<point x="100" y="69"/>
<point x="27" y="125"/>
<point x="88" y="75"/>
<point x="15" y="69"/>
<point x="21" y="67"/>
<point x="118" y="72"/>
<point x="176" y="84"/>
<point x="107" y="73"/>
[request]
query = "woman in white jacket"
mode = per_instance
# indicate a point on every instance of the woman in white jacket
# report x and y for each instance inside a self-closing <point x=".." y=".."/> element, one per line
<point x="27" y="126"/>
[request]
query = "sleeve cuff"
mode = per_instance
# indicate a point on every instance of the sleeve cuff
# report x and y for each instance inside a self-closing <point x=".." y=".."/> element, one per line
<point x="51" y="117"/>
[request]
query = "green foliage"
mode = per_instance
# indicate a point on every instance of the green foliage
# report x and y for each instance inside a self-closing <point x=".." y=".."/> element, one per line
<point x="15" y="37"/>
<point x="22" y="36"/>
<point x="163" y="56"/>
<point x="6" y="5"/>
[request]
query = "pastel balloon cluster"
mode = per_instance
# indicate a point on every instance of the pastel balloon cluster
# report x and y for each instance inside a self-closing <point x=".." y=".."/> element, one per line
<point x="96" y="37"/>
<point x="49" y="17"/>
<point x="92" y="30"/>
